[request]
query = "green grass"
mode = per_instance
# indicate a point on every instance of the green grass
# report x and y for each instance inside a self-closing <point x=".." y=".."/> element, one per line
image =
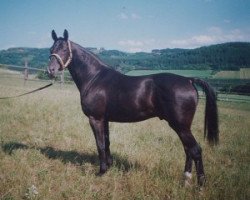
<point x="188" y="73"/>
<point x="47" y="151"/>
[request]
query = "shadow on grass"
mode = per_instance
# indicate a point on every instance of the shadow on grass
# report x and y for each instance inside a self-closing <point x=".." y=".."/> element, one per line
<point x="120" y="162"/>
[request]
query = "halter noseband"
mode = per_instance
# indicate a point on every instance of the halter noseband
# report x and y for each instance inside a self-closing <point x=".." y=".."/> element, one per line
<point x="59" y="59"/>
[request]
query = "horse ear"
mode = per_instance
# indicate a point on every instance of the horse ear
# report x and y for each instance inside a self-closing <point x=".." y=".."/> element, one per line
<point x="66" y="34"/>
<point x="54" y="36"/>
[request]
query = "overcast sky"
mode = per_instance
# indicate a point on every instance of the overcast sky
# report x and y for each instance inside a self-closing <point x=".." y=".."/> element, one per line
<point x="127" y="25"/>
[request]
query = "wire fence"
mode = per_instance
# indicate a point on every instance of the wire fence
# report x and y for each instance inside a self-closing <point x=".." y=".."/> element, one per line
<point x="29" y="74"/>
<point x="32" y="74"/>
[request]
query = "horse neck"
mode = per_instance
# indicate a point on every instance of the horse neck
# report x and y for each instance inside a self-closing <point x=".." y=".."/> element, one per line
<point x="84" y="66"/>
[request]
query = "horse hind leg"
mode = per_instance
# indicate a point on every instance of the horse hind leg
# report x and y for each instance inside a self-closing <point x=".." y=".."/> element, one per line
<point x="188" y="169"/>
<point x="193" y="152"/>
<point x="196" y="153"/>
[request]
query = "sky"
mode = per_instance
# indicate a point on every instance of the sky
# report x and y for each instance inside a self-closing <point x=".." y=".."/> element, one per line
<point x="126" y="25"/>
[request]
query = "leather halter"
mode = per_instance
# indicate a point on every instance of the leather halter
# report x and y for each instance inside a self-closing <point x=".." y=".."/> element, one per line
<point x="59" y="59"/>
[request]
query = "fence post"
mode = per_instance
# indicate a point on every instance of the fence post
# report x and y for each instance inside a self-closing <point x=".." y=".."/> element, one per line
<point x="26" y="72"/>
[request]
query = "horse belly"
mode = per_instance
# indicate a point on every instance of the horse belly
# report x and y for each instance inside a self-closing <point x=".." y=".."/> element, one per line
<point x="130" y="117"/>
<point x="130" y="112"/>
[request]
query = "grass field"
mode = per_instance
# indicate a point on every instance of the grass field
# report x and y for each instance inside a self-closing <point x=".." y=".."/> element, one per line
<point x="188" y="73"/>
<point x="47" y="151"/>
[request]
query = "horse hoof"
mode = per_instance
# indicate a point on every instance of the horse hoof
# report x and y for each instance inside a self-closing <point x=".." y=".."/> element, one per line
<point x="100" y="174"/>
<point x="201" y="181"/>
<point x="102" y="171"/>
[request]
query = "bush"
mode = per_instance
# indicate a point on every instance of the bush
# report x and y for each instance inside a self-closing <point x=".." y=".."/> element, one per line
<point x="44" y="75"/>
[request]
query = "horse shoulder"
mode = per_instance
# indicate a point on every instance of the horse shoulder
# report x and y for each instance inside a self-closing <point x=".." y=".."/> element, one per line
<point x="94" y="102"/>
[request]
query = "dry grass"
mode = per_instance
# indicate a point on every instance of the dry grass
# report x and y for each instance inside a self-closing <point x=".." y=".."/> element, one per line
<point x="47" y="151"/>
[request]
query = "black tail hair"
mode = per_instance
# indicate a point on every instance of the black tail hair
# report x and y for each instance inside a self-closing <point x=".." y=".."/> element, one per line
<point x="211" y="130"/>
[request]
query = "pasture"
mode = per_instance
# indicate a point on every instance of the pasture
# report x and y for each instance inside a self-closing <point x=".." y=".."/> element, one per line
<point x="187" y="73"/>
<point x="48" y="151"/>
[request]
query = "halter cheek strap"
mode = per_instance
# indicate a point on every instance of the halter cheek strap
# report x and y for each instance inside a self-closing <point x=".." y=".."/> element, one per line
<point x="59" y="59"/>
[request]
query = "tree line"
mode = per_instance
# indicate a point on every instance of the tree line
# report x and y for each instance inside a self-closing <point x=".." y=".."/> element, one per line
<point x="227" y="56"/>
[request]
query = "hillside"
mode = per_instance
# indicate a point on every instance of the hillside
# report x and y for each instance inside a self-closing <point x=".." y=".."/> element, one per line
<point x="37" y="58"/>
<point x="227" y="56"/>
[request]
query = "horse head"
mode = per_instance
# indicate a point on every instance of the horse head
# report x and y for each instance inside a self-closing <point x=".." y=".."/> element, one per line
<point x="60" y="53"/>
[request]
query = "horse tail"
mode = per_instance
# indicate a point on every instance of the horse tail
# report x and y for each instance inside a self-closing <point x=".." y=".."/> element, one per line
<point x="211" y="130"/>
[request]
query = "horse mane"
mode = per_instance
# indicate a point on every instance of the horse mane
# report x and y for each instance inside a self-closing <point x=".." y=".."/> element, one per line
<point x="90" y="55"/>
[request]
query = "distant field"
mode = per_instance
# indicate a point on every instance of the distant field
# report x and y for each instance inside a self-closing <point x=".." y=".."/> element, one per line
<point x="244" y="73"/>
<point x="187" y="73"/>
<point x="227" y="75"/>
<point x="48" y="151"/>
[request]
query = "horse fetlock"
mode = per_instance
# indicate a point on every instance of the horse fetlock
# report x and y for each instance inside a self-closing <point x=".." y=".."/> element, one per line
<point x="109" y="161"/>
<point x="103" y="168"/>
<point x="187" y="179"/>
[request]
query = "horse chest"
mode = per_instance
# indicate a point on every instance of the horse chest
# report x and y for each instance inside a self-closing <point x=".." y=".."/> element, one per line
<point x="93" y="105"/>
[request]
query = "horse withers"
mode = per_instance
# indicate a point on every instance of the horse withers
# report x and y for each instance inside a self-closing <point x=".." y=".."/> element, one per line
<point x="109" y="96"/>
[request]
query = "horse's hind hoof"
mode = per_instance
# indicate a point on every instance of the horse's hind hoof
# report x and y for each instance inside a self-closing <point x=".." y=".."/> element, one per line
<point x="201" y="181"/>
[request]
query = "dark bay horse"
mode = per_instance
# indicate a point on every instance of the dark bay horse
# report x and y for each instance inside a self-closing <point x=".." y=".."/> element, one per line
<point x="107" y="95"/>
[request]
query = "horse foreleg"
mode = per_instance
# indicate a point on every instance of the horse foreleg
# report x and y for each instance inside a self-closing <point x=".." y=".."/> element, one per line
<point x="98" y="127"/>
<point x="109" y="158"/>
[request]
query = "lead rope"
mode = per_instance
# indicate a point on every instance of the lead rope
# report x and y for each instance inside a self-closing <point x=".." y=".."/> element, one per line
<point x="36" y="90"/>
